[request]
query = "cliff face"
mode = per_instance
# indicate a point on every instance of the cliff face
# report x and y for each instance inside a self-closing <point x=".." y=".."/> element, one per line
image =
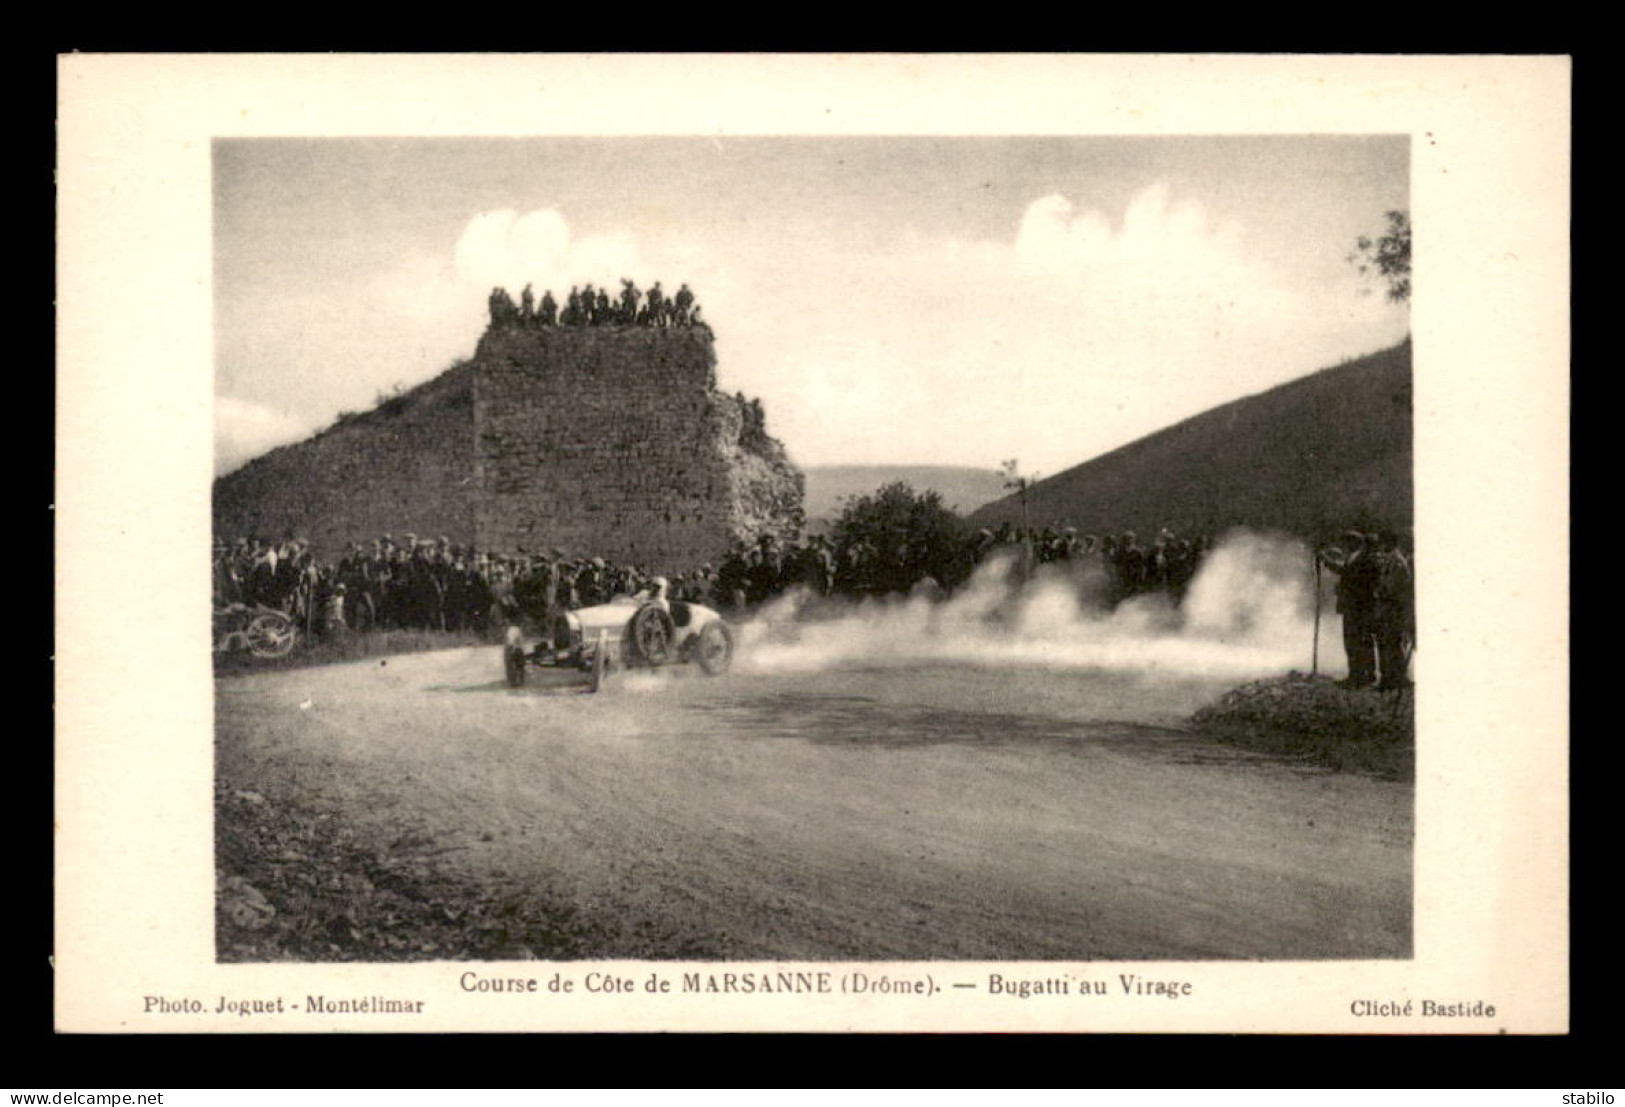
<point x="601" y="441"/>
<point x="614" y="441"/>
<point x="766" y="493"/>
<point x="404" y="466"/>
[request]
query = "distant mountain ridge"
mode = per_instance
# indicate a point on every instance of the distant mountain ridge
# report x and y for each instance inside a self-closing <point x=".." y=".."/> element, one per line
<point x="1312" y="457"/>
<point x="962" y="488"/>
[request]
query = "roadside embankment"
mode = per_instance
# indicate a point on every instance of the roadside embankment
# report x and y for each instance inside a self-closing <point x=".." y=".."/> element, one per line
<point x="1316" y="720"/>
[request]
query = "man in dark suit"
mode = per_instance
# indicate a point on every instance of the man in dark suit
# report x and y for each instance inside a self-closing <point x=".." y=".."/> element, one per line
<point x="1356" y="570"/>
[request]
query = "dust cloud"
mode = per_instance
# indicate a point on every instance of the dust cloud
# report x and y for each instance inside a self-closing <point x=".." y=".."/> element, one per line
<point x="1248" y="612"/>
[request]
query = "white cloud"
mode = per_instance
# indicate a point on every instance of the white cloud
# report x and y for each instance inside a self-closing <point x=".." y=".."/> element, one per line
<point x="1079" y="334"/>
<point x="244" y="430"/>
<point x="1051" y="237"/>
<point x="1081" y="331"/>
<point x="1159" y="244"/>
<point x="509" y="249"/>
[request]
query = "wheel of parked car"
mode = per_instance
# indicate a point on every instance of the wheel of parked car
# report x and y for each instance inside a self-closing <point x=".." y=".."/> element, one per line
<point x="270" y="634"/>
<point x="513" y="664"/>
<point x="716" y="648"/>
<point x="652" y="635"/>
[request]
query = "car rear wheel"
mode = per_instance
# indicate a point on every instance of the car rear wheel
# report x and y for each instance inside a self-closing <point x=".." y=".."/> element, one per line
<point x="716" y="648"/>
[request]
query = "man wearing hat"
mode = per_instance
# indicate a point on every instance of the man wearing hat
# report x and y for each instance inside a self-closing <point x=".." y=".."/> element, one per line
<point x="1067" y="545"/>
<point x="536" y="590"/>
<point x="820" y="565"/>
<point x="429" y="592"/>
<point x="333" y="620"/>
<point x="411" y="581"/>
<point x="377" y="576"/>
<point x="767" y="570"/>
<point x="1181" y="567"/>
<point x="1356" y="570"/>
<point x="591" y="583"/>
<point x="564" y="586"/>
<point x="225" y="579"/>
<point x="983" y="544"/>
<point x="1158" y="561"/>
<point x="458" y="591"/>
<point x="1393" y="618"/>
<point x="1130" y="565"/>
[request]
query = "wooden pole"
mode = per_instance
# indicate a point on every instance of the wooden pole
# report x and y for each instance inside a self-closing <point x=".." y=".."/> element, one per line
<point x="1314" y="656"/>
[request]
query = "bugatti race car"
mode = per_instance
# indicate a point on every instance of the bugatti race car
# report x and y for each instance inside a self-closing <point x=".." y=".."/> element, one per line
<point x="630" y="632"/>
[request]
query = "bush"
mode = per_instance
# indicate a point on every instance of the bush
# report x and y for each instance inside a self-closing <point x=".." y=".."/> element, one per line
<point x="913" y="534"/>
<point x="1315" y="719"/>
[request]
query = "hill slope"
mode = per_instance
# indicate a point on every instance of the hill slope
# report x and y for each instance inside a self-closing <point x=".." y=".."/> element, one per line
<point x="962" y="489"/>
<point x="1312" y="456"/>
<point x="401" y="466"/>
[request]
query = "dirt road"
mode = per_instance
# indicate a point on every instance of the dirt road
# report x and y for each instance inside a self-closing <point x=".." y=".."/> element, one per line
<point x="869" y="813"/>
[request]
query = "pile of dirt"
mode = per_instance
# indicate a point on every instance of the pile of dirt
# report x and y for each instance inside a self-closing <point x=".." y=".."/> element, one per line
<point x="294" y="882"/>
<point x="1317" y="720"/>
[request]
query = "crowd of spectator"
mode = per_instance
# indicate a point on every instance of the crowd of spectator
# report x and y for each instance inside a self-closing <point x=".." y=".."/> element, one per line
<point x="1168" y="564"/>
<point x="1376" y="596"/>
<point x="436" y="584"/>
<point x="415" y="583"/>
<point x="594" y="307"/>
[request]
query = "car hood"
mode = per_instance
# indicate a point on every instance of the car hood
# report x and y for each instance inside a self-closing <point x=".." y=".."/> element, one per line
<point x="612" y="616"/>
<point x="617" y="613"/>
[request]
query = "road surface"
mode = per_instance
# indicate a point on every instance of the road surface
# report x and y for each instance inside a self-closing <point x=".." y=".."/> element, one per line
<point x="933" y="811"/>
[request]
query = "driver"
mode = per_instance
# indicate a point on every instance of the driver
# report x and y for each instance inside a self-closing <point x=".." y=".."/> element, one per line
<point x="657" y="594"/>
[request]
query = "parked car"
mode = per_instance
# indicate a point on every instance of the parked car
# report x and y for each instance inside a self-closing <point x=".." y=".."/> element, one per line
<point x="262" y="631"/>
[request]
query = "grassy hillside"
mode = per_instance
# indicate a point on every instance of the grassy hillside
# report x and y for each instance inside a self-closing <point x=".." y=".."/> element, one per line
<point x="961" y="488"/>
<point x="401" y="466"/>
<point x="1312" y="456"/>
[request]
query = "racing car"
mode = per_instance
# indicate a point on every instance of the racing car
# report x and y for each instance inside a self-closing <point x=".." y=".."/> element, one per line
<point x="633" y="632"/>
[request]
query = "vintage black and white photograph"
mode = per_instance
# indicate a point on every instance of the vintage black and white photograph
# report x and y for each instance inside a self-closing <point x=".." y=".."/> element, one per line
<point x="826" y="557"/>
<point x="813" y="549"/>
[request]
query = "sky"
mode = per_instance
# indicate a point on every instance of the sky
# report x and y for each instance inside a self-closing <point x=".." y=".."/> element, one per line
<point x="910" y="301"/>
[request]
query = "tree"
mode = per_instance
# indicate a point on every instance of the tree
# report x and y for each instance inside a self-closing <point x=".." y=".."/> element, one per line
<point x="913" y="535"/>
<point x="1387" y="257"/>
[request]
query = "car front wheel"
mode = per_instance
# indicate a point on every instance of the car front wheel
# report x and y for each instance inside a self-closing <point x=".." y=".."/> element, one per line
<point x="652" y="633"/>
